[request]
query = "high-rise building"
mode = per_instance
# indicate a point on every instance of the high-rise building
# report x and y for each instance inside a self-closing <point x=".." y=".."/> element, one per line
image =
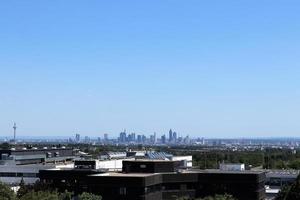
<point x="87" y="139"/>
<point x="77" y="138"/>
<point x="131" y="137"/>
<point x="123" y="137"/>
<point x="170" y="135"/>
<point x="144" y="138"/>
<point x="152" y="139"/>
<point x="105" y="137"/>
<point x="163" y="139"/>
<point x="174" y="139"/>
<point x="139" y="138"/>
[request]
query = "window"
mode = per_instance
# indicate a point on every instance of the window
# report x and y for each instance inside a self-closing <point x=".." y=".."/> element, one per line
<point x="123" y="191"/>
<point x="183" y="187"/>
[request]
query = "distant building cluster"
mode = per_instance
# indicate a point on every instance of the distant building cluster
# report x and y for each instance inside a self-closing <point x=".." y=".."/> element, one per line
<point x="133" y="138"/>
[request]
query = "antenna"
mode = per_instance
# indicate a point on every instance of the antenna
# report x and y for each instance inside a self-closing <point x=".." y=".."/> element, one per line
<point x="15" y="131"/>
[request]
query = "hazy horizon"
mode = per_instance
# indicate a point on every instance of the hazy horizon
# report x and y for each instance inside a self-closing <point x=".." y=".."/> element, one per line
<point x="219" y="69"/>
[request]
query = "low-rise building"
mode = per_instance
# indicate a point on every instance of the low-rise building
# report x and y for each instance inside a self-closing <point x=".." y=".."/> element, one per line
<point x="158" y="180"/>
<point x="18" y="164"/>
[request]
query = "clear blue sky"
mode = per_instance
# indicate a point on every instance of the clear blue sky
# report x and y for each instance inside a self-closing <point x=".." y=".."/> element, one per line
<point x="204" y="68"/>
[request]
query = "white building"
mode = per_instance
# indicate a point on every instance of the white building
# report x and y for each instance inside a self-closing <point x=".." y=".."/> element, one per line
<point x="232" y="167"/>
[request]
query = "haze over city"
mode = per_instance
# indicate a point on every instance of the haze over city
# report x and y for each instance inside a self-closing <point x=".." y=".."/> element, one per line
<point x="205" y="69"/>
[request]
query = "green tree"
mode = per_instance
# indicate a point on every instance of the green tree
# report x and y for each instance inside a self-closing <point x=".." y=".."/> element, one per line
<point x="6" y="193"/>
<point x="5" y="146"/>
<point x="23" y="189"/>
<point x="89" y="196"/>
<point x="216" y="197"/>
<point x="65" y="196"/>
<point x="46" y="195"/>
<point x="219" y="197"/>
<point x="295" y="164"/>
<point x="32" y="195"/>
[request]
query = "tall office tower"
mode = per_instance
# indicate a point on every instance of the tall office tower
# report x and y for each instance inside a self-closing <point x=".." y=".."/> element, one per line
<point x="77" y="138"/>
<point x="133" y="137"/>
<point x="15" y="131"/>
<point x="123" y="137"/>
<point x="139" y="138"/>
<point x="186" y="140"/>
<point x="163" y="139"/>
<point x="105" y="137"/>
<point x="87" y="139"/>
<point x="144" y="138"/>
<point x="170" y="135"/>
<point x="174" y="136"/>
<point x="154" y="137"/>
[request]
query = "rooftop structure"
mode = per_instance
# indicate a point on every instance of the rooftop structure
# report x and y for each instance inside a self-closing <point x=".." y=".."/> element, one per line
<point x="232" y="167"/>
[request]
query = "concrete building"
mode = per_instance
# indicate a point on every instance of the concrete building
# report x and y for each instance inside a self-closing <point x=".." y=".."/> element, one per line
<point x="232" y="167"/>
<point x="16" y="164"/>
<point x="158" y="180"/>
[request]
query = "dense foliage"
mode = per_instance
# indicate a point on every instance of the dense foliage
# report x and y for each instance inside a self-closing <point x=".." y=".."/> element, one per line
<point x="216" y="197"/>
<point x="267" y="158"/>
<point x="6" y="193"/>
<point x="40" y="192"/>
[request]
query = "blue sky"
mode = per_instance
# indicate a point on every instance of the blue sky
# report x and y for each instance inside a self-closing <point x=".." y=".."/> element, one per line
<point x="204" y="68"/>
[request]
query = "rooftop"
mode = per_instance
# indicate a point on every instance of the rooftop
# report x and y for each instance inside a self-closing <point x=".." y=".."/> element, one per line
<point x="115" y="174"/>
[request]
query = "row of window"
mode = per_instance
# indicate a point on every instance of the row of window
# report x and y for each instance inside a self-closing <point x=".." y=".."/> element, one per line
<point x="159" y="187"/>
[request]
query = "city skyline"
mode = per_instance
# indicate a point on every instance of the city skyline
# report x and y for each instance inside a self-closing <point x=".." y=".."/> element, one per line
<point x="205" y="69"/>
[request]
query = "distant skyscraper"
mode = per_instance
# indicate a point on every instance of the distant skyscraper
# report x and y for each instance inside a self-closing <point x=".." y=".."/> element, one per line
<point x="139" y="138"/>
<point x="152" y="139"/>
<point x="87" y="139"/>
<point x="163" y="139"/>
<point x="144" y="138"/>
<point x="105" y="137"/>
<point x="77" y="138"/>
<point x="123" y="137"/>
<point x="174" y="139"/>
<point x="133" y="137"/>
<point x="15" y="131"/>
<point x="170" y="135"/>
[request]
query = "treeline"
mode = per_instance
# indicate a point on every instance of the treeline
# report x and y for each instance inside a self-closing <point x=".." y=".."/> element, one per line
<point x="267" y="158"/>
<point x="40" y="191"/>
<point x="216" y="197"/>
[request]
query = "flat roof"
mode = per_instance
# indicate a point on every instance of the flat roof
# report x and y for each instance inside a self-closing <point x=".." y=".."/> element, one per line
<point x="217" y="171"/>
<point x="115" y="174"/>
<point x="134" y="174"/>
<point x="150" y="160"/>
<point x="32" y="149"/>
